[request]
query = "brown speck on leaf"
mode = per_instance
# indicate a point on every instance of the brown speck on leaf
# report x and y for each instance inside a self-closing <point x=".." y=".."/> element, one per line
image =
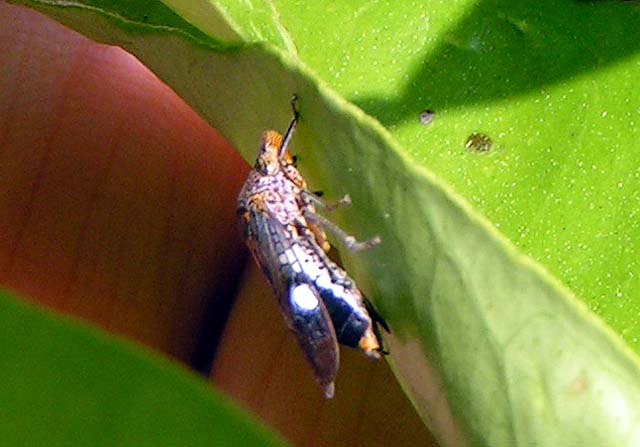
<point x="579" y="385"/>
<point x="426" y="116"/>
<point x="478" y="143"/>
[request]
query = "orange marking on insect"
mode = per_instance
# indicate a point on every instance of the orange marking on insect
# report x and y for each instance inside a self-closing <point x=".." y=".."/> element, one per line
<point x="320" y="236"/>
<point x="258" y="201"/>
<point x="369" y="344"/>
<point x="272" y="138"/>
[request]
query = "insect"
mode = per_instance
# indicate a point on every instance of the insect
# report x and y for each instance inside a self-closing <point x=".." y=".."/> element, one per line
<point x="320" y="303"/>
<point x="478" y="143"/>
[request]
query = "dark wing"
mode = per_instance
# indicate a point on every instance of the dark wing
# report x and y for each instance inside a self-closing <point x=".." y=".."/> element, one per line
<point x="308" y="318"/>
<point x="305" y="313"/>
<point x="354" y="319"/>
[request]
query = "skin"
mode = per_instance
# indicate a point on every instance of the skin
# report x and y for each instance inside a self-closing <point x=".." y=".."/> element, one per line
<point x="117" y="205"/>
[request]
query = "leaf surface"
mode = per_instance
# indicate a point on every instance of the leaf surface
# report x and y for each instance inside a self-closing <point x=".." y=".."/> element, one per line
<point x="493" y="350"/>
<point x="66" y="384"/>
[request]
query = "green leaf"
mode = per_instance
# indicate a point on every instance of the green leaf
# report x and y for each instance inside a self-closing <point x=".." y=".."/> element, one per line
<point x="66" y="384"/>
<point x="552" y="84"/>
<point x="254" y="21"/>
<point x="515" y="358"/>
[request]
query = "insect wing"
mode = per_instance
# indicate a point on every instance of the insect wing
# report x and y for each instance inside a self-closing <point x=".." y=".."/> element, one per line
<point x="310" y="321"/>
<point x="354" y="325"/>
<point x="350" y="322"/>
<point x="305" y="313"/>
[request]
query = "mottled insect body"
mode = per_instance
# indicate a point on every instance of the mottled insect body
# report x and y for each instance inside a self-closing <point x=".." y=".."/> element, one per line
<point x="285" y="235"/>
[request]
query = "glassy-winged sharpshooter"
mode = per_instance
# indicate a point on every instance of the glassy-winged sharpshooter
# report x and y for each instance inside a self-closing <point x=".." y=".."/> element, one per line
<point x="321" y="304"/>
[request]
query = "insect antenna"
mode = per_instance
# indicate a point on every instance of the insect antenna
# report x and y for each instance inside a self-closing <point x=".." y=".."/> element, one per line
<point x="291" y="128"/>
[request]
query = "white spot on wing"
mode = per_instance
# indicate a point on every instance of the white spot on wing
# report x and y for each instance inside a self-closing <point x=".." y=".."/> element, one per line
<point x="304" y="297"/>
<point x="322" y="277"/>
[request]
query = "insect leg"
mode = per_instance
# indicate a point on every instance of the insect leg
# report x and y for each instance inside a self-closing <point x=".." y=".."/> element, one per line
<point x="314" y="199"/>
<point x="349" y="241"/>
